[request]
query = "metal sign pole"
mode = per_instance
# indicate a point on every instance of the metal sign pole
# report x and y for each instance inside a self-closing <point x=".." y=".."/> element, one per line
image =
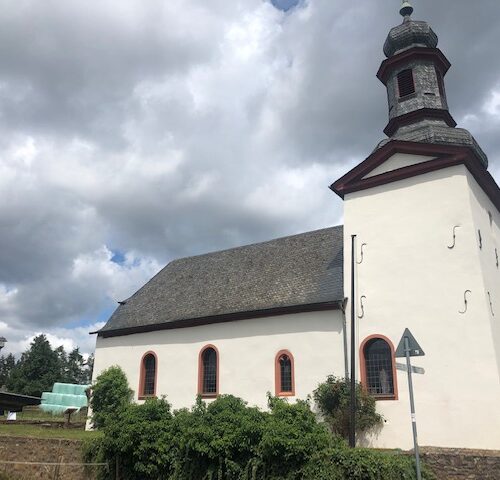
<point x="352" y="409"/>
<point x="412" y="408"/>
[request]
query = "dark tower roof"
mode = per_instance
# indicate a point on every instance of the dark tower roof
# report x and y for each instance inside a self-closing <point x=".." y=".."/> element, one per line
<point x="414" y="76"/>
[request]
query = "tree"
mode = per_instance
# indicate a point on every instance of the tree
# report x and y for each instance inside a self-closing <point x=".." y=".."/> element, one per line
<point x="6" y="365"/>
<point x="37" y="370"/>
<point x="110" y="394"/>
<point x="333" y="399"/>
<point x="89" y="368"/>
<point x="75" y="368"/>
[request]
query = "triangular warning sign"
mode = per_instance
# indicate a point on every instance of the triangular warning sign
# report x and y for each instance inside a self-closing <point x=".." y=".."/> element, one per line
<point x="414" y="347"/>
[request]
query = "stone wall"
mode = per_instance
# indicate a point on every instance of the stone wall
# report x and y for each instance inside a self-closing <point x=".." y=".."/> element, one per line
<point x="462" y="464"/>
<point x="47" y="450"/>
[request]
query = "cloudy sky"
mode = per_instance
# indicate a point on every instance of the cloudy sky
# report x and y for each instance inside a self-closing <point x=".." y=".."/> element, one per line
<point x="134" y="132"/>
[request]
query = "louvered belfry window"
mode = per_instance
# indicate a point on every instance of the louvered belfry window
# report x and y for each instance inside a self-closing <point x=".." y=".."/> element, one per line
<point x="285" y="365"/>
<point x="209" y="374"/>
<point x="406" y="85"/>
<point x="149" y="366"/>
<point x="379" y="368"/>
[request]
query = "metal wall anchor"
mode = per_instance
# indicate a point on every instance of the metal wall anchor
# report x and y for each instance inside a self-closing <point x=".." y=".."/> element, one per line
<point x="454" y="237"/>
<point x="362" y="306"/>
<point x="480" y="240"/>
<point x="491" y="304"/>
<point x="361" y="261"/>
<point x="496" y="255"/>
<point x="465" y="301"/>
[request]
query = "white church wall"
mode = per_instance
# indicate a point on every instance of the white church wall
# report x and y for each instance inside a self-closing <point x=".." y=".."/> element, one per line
<point x="487" y="221"/>
<point x="247" y="351"/>
<point x="410" y="278"/>
<point x="398" y="160"/>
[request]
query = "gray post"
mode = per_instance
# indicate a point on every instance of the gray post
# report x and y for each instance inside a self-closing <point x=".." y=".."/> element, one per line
<point x="412" y="409"/>
<point x="352" y="412"/>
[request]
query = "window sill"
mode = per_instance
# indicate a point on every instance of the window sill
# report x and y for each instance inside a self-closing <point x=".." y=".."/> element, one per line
<point x="407" y="97"/>
<point x="385" y="397"/>
<point x="145" y="397"/>
<point x="208" y="395"/>
<point x="285" y="394"/>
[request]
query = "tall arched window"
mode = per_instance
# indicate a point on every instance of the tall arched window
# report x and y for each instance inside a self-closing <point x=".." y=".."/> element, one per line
<point x="284" y="374"/>
<point x="147" y="382"/>
<point x="378" y="373"/>
<point x="208" y="372"/>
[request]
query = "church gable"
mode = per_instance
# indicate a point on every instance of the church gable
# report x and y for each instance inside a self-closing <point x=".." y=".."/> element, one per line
<point x="398" y="160"/>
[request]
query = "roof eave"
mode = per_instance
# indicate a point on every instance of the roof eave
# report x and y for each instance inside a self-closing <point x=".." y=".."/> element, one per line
<point x="229" y="317"/>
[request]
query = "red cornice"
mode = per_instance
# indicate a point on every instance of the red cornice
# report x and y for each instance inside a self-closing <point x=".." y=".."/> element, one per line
<point x="230" y="317"/>
<point x="445" y="156"/>
<point x="415" y="53"/>
<point x="415" y="115"/>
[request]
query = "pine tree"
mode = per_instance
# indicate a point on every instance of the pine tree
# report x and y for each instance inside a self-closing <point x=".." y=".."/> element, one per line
<point x="37" y="370"/>
<point x="7" y="363"/>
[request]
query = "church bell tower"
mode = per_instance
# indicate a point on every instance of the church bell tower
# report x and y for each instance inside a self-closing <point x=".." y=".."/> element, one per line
<point x="426" y="215"/>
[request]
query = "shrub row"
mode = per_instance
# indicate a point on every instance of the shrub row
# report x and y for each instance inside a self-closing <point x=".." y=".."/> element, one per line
<point x="227" y="440"/>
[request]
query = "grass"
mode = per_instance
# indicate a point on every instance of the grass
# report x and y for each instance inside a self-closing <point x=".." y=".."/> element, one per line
<point x="20" y="429"/>
<point x="35" y="413"/>
<point x="24" y="430"/>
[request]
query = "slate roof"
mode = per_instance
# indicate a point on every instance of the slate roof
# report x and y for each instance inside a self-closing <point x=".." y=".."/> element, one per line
<point x="302" y="271"/>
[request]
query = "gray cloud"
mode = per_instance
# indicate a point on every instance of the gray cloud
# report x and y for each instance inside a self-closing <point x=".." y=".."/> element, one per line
<point x="163" y="129"/>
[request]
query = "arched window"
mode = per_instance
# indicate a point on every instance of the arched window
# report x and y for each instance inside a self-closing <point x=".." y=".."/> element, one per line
<point x="378" y="373"/>
<point x="208" y="372"/>
<point x="284" y="374"/>
<point x="147" y="383"/>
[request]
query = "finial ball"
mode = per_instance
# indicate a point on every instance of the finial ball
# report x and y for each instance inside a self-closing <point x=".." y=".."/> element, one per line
<point x="406" y="9"/>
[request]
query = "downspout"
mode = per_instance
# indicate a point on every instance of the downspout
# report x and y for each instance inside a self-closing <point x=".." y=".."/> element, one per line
<point x="342" y="305"/>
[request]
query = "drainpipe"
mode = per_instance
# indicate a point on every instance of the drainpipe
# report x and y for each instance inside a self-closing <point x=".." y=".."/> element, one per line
<point x="342" y="305"/>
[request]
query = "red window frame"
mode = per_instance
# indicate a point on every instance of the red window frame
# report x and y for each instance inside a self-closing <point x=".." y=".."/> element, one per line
<point x="362" y="363"/>
<point x="142" y="376"/>
<point x="201" y="372"/>
<point x="277" y="374"/>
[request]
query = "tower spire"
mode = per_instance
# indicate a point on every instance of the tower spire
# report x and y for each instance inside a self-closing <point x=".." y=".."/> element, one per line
<point x="406" y="10"/>
<point x="413" y="74"/>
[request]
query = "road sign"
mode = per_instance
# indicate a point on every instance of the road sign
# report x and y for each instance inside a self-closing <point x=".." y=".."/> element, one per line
<point x="408" y="347"/>
<point x="414" y="369"/>
<point x="415" y="348"/>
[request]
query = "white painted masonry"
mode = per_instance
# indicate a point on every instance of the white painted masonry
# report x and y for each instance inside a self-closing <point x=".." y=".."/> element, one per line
<point x="412" y="279"/>
<point x="247" y="351"/>
<point x="398" y="160"/>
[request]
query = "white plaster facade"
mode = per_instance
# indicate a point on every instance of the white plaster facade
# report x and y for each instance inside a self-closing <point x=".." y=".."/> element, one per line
<point x="247" y="351"/>
<point x="410" y="278"/>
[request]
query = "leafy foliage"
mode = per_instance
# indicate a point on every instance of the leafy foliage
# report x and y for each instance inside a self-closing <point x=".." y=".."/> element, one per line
<point x="228" y="440"/>
<point x="7" y="363"/>
<point x="110" y="395"/>
<point x="40" y="367"/>
<point x="333" y="400"/>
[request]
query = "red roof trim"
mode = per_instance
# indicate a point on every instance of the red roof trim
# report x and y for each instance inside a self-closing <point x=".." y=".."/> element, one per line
<point x="420" y="53"/>
<point x="230" y="317"/>
<point x="446" y="156"/>
<point x="415" y="115"/>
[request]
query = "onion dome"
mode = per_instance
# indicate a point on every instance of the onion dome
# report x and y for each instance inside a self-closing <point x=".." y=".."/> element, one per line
<point x="410" y="33"/>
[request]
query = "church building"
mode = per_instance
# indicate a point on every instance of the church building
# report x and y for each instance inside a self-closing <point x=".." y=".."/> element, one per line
<point x="275" y="316"/>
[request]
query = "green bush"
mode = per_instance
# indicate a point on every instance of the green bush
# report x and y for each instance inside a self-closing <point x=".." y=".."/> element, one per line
<point x="362" y="464"/>
<point x="332" y="398"/>
<point x="227" y="440"/>
<point x="110" y="395"/>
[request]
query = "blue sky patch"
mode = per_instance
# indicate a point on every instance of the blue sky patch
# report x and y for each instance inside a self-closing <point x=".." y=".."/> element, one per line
<point x="118" y="257"/>
<point x="285" y="5"/>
